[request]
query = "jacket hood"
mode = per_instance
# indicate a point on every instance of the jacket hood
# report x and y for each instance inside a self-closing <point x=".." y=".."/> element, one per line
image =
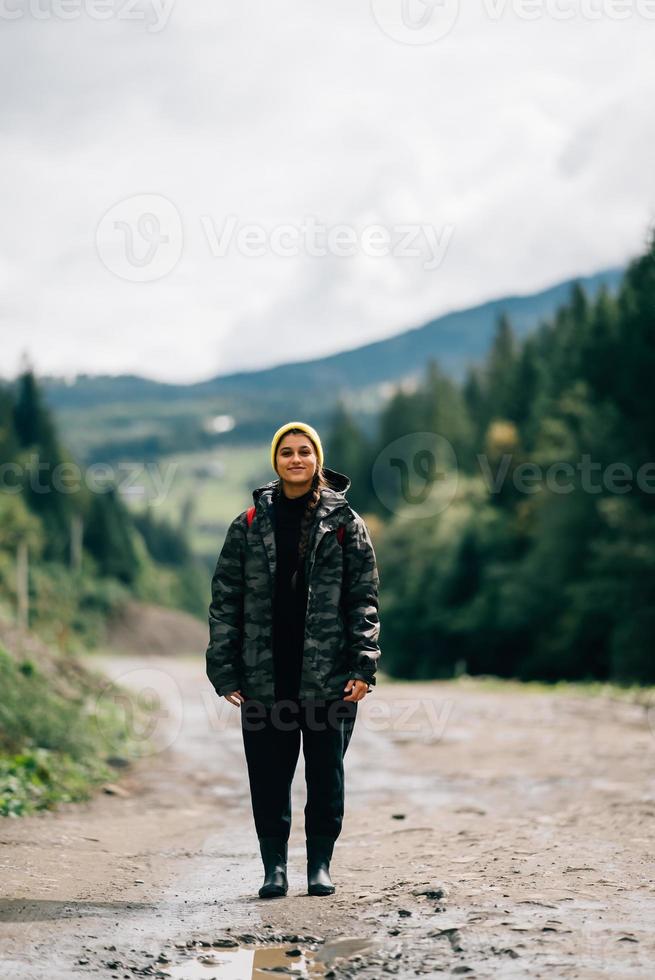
<point x="333" y="495"/>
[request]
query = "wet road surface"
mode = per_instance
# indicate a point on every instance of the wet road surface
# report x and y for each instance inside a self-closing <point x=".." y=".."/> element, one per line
<point x="488" y="833"/>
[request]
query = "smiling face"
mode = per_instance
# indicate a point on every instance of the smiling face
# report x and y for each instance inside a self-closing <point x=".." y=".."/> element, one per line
<point x="296" y="462"/>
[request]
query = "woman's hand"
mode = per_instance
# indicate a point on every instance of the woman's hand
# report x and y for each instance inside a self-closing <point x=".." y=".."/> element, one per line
<point x="358" y="689"/>
<point x="236" y="697"/>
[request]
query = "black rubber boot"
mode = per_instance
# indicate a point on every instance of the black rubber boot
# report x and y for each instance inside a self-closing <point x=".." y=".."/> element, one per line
<point x="274" y="856"/>
<point x="319" y="853"/>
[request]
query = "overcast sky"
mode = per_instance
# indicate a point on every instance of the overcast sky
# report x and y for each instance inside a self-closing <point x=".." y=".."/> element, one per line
<point x="201" y="187"/>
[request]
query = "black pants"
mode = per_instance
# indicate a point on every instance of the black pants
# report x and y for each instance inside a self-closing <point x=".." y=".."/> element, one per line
<point x="271" y="738"/>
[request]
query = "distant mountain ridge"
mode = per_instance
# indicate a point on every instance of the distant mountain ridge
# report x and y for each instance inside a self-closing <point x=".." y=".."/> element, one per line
<point x="150" y="415"/>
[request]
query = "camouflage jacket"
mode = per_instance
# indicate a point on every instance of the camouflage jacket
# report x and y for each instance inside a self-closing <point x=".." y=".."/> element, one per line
<point x="341" y="624"/>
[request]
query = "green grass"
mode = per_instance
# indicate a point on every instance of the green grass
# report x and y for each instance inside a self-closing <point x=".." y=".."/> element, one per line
<point x="216" y="498"/>
<point x="39" y="779"/>
<point x="632" y="693"/>
<point x="60" y="723"/>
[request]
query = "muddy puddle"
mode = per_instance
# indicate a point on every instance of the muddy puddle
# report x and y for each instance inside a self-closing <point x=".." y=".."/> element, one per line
<point x="246" y="962"/>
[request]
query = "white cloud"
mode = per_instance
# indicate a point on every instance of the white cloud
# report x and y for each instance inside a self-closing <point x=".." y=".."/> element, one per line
<point x="533" y="139"/>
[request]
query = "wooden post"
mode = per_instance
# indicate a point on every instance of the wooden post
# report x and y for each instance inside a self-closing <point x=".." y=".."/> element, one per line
<point x="77" y="530"/>
<point x="22" y="585"/>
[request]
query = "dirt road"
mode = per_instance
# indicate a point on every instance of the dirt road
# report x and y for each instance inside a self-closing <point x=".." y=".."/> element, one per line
<point x="488" y="833"/>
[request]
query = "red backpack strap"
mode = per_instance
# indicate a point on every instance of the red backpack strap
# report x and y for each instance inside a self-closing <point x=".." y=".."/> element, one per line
<point x="250" y="514"/>
<point x="341" y="531"/>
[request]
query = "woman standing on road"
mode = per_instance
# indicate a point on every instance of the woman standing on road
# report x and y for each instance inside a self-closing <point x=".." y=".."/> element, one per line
<point x="293" y="641"/>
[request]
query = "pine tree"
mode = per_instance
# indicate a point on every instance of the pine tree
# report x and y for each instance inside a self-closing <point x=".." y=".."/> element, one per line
<point x="108" y="536"/>
<point x="45" y="480"/>
<point x="348" y="451"/>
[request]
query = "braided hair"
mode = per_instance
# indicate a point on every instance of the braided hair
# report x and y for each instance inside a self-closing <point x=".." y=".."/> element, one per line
<point x="318" y="481"/>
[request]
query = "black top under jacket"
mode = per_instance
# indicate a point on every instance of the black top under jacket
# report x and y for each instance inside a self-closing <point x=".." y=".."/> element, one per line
<point x="289" y="605"/>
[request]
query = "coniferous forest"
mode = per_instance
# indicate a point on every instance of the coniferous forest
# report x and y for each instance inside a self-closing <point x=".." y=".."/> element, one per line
<point x="543" y="564"/>
<point x="83" y="552"/>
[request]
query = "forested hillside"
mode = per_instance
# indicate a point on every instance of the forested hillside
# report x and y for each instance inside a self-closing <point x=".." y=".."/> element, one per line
<point x="520" y="543"/>
<point x="543" y="563"/>
<point x="131" y="417"/>
<point x="70" y="551"/>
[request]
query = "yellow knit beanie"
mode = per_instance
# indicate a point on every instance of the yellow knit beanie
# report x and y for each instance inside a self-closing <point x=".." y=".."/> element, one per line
<point x="311" y="432"/>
